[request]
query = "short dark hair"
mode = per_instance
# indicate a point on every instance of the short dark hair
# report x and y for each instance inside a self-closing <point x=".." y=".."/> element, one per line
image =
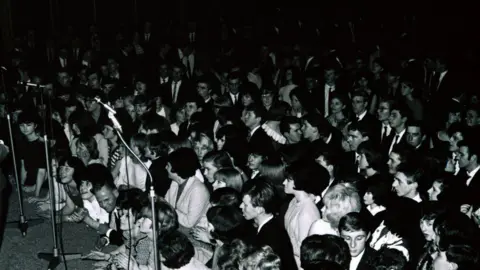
<point x="412" y="171"/>
<point x="317" y="248"/>
<point x="353" y="222"/>
<point x="361" y="127"/>
<point x="100" y="177"/>
<point x="176" y="249"/>
<point x="301" y="173"/>
<point x="257" y="109"/>
<point x="184" y="162"/>
<point x="287" y="121"/>
<point x="227" y="222"/>
<point x="262" y="194"/>
<point x="403" y="109"/>
<point x="134" y="199"/>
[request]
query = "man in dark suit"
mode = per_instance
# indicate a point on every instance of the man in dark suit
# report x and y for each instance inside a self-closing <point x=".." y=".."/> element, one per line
<point x="399" y="115"/>
<point x="468" y="161"/>
<point x="253" y="116"/>
<point x="259" y="203"/>
<point x="355" y="230"/>
<point x="178" y="88"/>
<point x="360" y="105"/>
<point x="417" y="138"/>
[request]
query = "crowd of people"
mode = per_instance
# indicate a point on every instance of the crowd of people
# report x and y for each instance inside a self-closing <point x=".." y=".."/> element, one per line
<point x="264" y="153"/>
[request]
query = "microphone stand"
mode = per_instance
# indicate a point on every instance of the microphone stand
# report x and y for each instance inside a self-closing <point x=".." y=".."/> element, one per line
<point x="152" y="195"/>
<point x="22" y="224"/>
<point x="55" y="257"/>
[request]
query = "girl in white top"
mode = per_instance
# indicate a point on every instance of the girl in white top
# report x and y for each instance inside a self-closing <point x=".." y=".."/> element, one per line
<point x="132" y="173"/>
<point x="305" y="182"/>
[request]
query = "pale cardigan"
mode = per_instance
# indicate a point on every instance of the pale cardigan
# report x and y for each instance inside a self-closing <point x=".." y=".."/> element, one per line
<point x="193" y="203"/>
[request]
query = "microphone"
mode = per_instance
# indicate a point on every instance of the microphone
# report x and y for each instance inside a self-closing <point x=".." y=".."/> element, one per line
<point x="106" y="106"/>
<point x="30" y="84"/>
<point x="111" y="114"/>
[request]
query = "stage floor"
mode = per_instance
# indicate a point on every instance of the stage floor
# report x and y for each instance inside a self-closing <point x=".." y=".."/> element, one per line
<point x="18" y="252"/>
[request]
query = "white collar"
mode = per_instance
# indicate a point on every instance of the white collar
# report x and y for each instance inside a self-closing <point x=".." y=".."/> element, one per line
<point x="253" y="130"/>
<point x="417" y="198"/>
<point x="263" y="223"/>
<point x="362" y="115"/>
<point x="329" y="138"/>
<point x="400" y="135"/>
<point x="472" y="173"/>
<point x="356" y="260"/>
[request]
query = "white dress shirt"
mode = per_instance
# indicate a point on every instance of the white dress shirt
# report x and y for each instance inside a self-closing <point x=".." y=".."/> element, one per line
<point x="396" y="140"/>
<point x="356" y="260"/>
<point x="471" y="175"/>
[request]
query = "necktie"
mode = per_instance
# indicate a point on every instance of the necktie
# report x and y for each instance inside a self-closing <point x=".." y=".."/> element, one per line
<point x="396" y="139"/>
<point x="435" y="82"/>
<point x="189" y="73"/>
<point x="234" y="99"/>
<point x="175" y="92"/>
<point x="384" y="134"/>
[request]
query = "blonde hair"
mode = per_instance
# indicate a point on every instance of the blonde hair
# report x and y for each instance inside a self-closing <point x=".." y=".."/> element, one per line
<point x="340" y="200"/>
<point x="262" y="259"/>
<point x="231" y="177"/>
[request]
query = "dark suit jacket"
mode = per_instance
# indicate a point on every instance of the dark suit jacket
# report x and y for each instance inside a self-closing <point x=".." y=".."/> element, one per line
<point x="273" y="234"/>
<point x="116" y="236"/>
<point x="183" y="92"/>
<point x="373" y="125"/>
<point x="161" y="181"/>
<point x="260" y="140"/>
<point x="400" y="143"/>
<point x="368" y="255"/>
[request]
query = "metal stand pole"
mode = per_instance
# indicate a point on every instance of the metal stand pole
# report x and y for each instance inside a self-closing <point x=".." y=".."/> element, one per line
<point x="22" y="224"/>
<point x="55" y="257"/>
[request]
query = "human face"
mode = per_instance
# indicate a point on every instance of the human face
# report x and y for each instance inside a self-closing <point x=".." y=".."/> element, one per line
<point x="295" y="133"/>
<point x="336" y="105"/>
<point x="368" y="198"/>
<point x="202" y="90"/>
<point x="363" y="163"/>
<point x="376" y="68"/>
<point x="383" y="111"/>
<point x="454" y="117"/>
<point x="202" y="148"/>
<point x="234" y="86"/>
<point x="190" y="109"/>
<point x="177" y="74"/>
<point x="82" y="152"/>
<point x="289" y="186"/>
<point x="362" y="82"/>
<point x="308" y="131"/>
<point x="27" y="128"/>
<point x="402" y="186"/>
<point x="356" y="241"/>
<point x="267" y="100"/>
<point x="180" y="116"/>
<point x="359" y="105"/>
<point x="414" y="136"/>
<point x="220" y="143"/>
<point x="250" y="119"/>
<point x="108" y="132"/>
<point x="454" y="139"/>
<point x="441" y="262"/>
<point x="248" y="210"/>
<point x="247" y="100"/>
<point x="106" y="198"/>
<point x="355" y="138"/>
<point x="396" y="119"/>
<point x="254" y="161"/>
<point x="141" y="88"/>
<point x="145" y="226"/>
<point x="85" y="190"/>
<point x="296" y="105"/>
<point x="127" y="219"/>
<point x="91" y="104"/>
<point x="209" y="171"/>
<point x="434" y="191"/>
<point x="472" y="118"/>
<point x="393" y="162"/>
<point x="406" y="90"/>
<point x="329" y="75"/>
<point x="218" y="184"/>
<point x="66" y="173"/>
<point x="463" y="157"/>
<point x="426" y="226"/>
<point x="64" y="79"/>
<point x="288" y="75"/>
